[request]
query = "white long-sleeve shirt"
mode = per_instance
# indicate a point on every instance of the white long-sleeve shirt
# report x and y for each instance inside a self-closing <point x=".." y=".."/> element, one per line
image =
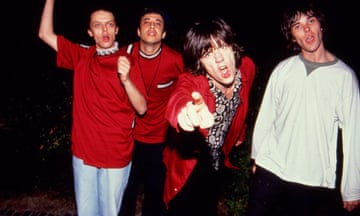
<point x="296" y="130"/>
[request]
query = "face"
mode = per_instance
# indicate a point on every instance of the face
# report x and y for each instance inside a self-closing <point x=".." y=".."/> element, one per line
<point x="307" y="32"/>
<point x="103" y="29"/>
<point x="151" y="28"/>
<point x="219" y="63"/>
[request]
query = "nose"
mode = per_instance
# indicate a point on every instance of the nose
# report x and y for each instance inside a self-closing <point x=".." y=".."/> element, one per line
<point x="218" y="55"/>
<point x="105" y="28"/>
<point x="306" y="28"/>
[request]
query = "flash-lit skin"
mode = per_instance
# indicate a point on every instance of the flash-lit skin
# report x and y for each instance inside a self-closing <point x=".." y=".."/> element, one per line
<point x="307" y="33"/>
<point x="219" y="63"/>
<point x="103" y="29"/>
<point x="151" y="32"/>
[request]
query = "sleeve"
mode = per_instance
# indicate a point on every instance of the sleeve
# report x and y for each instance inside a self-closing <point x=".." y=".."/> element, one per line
<point x="68" y="53"/>
<point x="349" y="112"/>
<point x="265" y="117"/>
<point x="180" y="96"/>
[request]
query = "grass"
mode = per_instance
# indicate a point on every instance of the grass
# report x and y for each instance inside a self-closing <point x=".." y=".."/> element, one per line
<point x="59" y="203"/>
<point x="54" y="202"/>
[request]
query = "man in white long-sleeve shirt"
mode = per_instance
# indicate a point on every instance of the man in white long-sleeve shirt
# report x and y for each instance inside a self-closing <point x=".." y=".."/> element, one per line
<point x="308" y="98"/>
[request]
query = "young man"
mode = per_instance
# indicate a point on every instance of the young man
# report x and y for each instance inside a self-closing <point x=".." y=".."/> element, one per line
<point x="105" y="101"/>
<point x="160" y="66"/>
<point x="308" y="98"/>
<point x="207" y="112"/>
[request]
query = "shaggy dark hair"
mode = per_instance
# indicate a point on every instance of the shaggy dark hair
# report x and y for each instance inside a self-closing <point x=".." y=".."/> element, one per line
<point x="198" y="41"/>
<point x="291" y="15"/>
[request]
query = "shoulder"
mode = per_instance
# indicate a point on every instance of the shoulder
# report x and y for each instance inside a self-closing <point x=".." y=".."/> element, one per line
<point x="247" y="62"/>
<point x="247" y="68"/>
<point x="169" y="50"/>
<point x="130" y="48"/>
<point x="289" y="60"/>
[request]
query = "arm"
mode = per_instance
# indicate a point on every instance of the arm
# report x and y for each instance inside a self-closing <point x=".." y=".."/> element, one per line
<point x="136" y="98"/>
<point x="349" y="116"/>
<point x="46" y="29"/>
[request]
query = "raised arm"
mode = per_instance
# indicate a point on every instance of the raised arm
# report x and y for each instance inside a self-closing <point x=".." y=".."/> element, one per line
<point x="46" y="29"/>
<point x="136" y="98"/>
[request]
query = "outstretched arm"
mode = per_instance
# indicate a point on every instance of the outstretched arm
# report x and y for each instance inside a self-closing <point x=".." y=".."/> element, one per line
<point x="46" y="29"/>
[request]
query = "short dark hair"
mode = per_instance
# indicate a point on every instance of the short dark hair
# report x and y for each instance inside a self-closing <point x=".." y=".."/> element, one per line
<point x="165" y="16"/>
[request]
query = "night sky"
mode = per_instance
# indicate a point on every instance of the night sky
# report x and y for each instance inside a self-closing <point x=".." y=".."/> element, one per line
<point x="255" y="22"/>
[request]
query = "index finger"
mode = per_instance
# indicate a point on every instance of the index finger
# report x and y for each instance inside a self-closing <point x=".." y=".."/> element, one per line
<point x="197" y="98"/>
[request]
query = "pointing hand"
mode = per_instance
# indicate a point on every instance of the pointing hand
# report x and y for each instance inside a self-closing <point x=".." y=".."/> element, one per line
<point x="195" y="114"/>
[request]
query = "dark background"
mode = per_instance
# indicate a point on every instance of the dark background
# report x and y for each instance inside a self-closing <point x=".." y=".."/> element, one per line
<point x="256" y="23"/>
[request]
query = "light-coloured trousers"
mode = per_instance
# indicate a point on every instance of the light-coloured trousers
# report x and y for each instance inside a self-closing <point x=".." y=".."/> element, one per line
<point x="98" y="191"/>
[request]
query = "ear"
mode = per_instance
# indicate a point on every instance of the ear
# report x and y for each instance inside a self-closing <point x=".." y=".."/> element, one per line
<point x="116" y="30"/>
<point x="90" y="33"/>
<point x="163" y="35"/>
<point x="138" y="32"/>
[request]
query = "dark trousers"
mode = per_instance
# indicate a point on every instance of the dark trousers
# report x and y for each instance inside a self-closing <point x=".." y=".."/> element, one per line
<point x="269" y="195"/>
<point x="200" y="194"/>
<point x="148" y="170"/>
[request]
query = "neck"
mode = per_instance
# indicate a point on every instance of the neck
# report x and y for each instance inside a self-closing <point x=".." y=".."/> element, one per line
<point x="150" y="56"/>
<point x="319" y="56"/>
<point x="227" y="90"/>
<point x="108" y="51"/>
<point x="150" y="49"/>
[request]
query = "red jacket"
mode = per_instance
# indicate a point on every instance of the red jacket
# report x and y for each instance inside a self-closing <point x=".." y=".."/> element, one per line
<point x="178" y="168"/>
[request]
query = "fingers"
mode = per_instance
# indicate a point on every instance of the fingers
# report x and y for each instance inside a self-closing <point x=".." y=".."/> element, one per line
<point x="204" y="117"/>
<point x="184" y="121"/>
<point x="123" y="66"/>
<point x="195" y="114"/>
<point x="351" y="205"/>
<point x="197" y="98"/>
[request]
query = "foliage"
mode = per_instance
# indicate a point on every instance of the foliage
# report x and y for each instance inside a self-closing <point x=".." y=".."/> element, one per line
<point x="35" y="132"/>
<point x="56" y="136"/>
<point x="237" y="188"/>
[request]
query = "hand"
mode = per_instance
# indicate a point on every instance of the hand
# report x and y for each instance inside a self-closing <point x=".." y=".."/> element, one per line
<point x="351" y="205"/>
<point x="195" y="114"/>
<point x="123" y="68"/>
<point x="239" y="142"/>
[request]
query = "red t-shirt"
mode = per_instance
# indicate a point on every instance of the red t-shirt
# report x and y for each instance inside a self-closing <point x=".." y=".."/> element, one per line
<point x="160" y="75"/>
<point x="102" y="114"/>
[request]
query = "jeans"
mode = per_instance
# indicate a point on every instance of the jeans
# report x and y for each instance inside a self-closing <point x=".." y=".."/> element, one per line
<point x="98" y="191"/>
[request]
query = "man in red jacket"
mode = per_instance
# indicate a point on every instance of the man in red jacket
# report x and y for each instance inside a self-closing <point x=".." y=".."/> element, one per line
<point x="207" y="112"/>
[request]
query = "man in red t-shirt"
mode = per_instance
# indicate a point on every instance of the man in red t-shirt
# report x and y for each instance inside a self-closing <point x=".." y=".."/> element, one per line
<point x="105" y="100"/>
<point x="159" y="65"/>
